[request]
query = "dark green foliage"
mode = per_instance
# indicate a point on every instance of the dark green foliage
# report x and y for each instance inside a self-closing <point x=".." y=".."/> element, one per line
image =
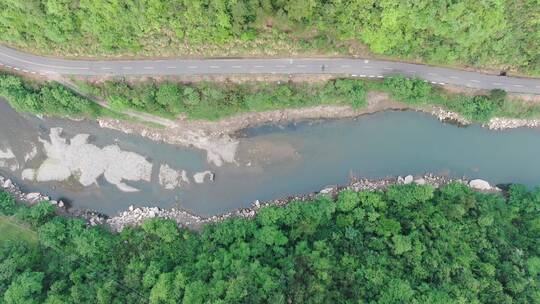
<point x="410" y="244"/>
<point x="50" y="98"/>
<point x="414" y="91"/>
<point x="8" y="206"/>
<point x="36" y="215"/>
<point x="213" y="101"/>
<point x="501" y="34"/>
<point x="476" y="108"/>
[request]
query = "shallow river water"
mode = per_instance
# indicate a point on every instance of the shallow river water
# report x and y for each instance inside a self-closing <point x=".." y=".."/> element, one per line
<point x="273" y="161"/>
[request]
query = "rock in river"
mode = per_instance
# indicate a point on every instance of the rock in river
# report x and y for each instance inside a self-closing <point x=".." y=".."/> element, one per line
<point x="479" y="184"/>
<point x="408" y="179"/>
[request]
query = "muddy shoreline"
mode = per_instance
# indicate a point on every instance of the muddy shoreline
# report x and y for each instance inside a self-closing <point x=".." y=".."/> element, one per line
<point x="135" y="216"/>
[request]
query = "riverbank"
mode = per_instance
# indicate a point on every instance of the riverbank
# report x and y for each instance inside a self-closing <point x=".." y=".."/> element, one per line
<point x="135" y="216"/>
<point x="218" y="138"/>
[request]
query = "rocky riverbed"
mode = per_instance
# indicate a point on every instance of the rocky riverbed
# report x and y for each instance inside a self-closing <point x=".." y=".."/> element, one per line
<point x="135" y="216"/>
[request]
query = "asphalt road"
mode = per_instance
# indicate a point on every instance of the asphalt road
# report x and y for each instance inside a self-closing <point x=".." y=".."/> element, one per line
<point x="46" y="66"/>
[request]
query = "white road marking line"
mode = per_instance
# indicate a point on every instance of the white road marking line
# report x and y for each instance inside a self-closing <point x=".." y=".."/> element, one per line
<point x="380" y="76"/>
<point x="366" y="61"/>
<point x="43" y="65"/>
<point x="171" y="67"/>
<point x="17" y="69"/>
<point x="106" y="68"/>
<point x="192" y="67"/>
<point x="362" y="75"/>
<point x="434" y="82"/>
<point x="237" y="66"/>
<point x="442" y="83"/>
<point x="42" y="74"/>
<point x="345" y="66"/>
<point x="388" y="69"/>
<point x="302" y="66"/>
<point x="26" y="71"/>
<point x="127" y="68"/>
<point x="148" y="68"/>
<point x="474" y="80"/>
<point x="259" y="66"/>
<point x="454" y="77"/>
<point x="371" y="76"/>
<point x="280" y="66"/>
<point x="518" y="85"/>
<point x="497" y="83"/>
<point x="33" y="72"/>
<point x="354" y="75"/>
<point x="214" y="66"/>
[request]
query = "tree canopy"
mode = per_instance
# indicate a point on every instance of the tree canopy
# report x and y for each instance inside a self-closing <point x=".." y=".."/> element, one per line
<point x="491" y="33"/>
<point x="409" y="244"/>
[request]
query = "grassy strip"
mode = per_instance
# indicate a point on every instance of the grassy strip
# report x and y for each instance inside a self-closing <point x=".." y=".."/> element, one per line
<point x="211" y="101"/>
<point x="10" y="230"/>
<point x="478" y="108"/>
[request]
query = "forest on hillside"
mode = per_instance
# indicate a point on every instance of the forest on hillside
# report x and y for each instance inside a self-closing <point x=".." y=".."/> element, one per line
<point x="490" y="33"/>
<point x="409" y="244"/>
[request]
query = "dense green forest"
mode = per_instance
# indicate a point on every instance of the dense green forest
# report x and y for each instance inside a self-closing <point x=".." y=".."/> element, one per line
<point x="409" y="244"/>
<point x="490" y="33"/>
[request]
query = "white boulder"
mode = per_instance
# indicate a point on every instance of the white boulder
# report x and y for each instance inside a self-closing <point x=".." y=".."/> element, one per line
<point x="32" y="196"/>
<point x="408" y="179"/>
<point x="199" y="177"/>
<point x="479" y="184"/>
<point x="420" y="181"/>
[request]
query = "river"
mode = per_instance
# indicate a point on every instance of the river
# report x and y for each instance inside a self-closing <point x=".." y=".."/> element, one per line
<point x="272" y="161"/>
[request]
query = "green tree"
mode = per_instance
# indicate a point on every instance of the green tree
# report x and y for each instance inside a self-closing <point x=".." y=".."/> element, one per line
<point x="25" y="289"/>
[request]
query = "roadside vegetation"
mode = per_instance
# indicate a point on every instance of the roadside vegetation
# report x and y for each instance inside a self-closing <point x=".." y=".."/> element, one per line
<point x="478" y="108"/>
<point x="11" y="230"/>
<point x="489" y="34"/>
<point x="213" y="101"/>
<point x="409" y="244"/>
<point x="49" y="98"/>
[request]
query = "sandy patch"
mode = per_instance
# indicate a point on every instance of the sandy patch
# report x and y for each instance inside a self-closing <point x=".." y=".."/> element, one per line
<point x="87" y="162"/>
<point x="200" y="177"/>
<point x="170" y="178"/>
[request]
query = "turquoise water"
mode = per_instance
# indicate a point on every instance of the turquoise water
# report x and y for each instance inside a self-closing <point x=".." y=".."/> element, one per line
<point x="279" y="161"/>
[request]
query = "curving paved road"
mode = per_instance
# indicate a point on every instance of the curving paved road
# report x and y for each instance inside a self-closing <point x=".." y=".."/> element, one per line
<point x="27" y="63"/>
